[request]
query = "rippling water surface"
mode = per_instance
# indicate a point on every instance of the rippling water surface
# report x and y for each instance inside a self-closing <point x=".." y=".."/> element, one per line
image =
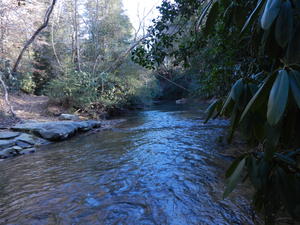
<point x="162" y="166"/>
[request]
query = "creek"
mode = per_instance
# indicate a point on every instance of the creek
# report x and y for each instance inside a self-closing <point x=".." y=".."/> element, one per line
<point x="161" y="166"/>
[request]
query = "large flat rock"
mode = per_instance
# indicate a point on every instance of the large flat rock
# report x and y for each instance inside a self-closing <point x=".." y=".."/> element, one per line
<point x="8" y="135"/>
<point x="6" y="144"/>
<point x="19" y="145"/>
<point x="23" y="141"/>
<point x="31" y="134"/>
<point x="58" y="130"/>
<point x="68" y="117"/>
<point x="31" y="139"/>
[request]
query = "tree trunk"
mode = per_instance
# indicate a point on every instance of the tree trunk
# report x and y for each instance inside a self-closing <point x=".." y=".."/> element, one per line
<point x="53" y="46"/>
<point x="2" y="30"/>
<point x="36" y="33"/>
<point x="6" y="96"/>
<point x="76" y="38"/>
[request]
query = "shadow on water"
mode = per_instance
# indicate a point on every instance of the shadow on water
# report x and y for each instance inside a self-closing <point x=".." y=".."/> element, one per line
<point x="161" y="166"/>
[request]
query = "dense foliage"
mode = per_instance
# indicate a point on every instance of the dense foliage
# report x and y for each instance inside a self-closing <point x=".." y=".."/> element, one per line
<point x="97" y="93"/>
<point x="255" y="46"/>
<point x="80" y="60"/>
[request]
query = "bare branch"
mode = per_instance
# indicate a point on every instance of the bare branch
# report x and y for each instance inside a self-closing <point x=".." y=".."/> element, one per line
<point x="53" y="45"/>
<point x="121" y="59"/>
<point x="36" y="33"/>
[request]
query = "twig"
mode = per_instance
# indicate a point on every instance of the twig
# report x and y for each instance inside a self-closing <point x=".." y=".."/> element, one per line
<point x="172" y="82"/>
<point x="119" y="61"/>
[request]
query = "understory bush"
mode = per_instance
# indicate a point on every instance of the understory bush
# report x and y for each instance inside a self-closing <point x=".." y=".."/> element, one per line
<point x="27" y="83"/>
<point x="73" y="89"/>
<point x="104" y="91"/>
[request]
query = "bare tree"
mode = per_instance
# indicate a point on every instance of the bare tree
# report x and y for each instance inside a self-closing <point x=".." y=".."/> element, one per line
<point x="53" y="45"/>
<point x="140" y="35"/>
<point x="36" y="33"/>
<point x="120" y="60"/>
<point x="76" y="37"/>
<point x="6" y="95"/>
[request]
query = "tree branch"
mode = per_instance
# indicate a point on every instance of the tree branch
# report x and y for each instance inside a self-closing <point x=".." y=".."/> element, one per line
<point x="36" y="33"/>
<point x="172" y="82"/>
<point x="122" y="57"/>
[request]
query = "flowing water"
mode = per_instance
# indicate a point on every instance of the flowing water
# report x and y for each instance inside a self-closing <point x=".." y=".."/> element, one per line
<point x="161" y="166"/>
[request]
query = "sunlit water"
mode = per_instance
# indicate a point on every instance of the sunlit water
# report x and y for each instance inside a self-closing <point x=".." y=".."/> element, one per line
<point x="162" y="166"/>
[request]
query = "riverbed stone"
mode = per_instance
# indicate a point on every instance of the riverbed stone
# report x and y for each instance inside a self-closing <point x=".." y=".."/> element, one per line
<point x="8" y="152"/>
<point x="6" y="144"/>
<point x="27" y="151"/>
<point x="23" y="144"/>
<point x="31" y="139"/>
<point x="8" y="134"/>
<point x="57" y="130"/>
<point x="17" y="148"/>
<point x="23" y="137"/>
<point x="5" y="154"/>
<point x="181" y="101"/>
<point x="68" y="117"/>
<point x="14" y="151"/>
<point x="88" y="125"/>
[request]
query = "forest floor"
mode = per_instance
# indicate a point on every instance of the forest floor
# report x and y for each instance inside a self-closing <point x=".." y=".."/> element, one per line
<point x="28" y="107"/>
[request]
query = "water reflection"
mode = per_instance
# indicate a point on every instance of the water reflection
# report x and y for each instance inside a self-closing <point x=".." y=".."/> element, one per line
<point x="160" y="167"/>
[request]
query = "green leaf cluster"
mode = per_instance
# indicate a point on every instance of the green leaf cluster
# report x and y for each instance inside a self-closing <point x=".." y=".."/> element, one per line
<point x="270" y="116"/>
<point x="258" y="42"/>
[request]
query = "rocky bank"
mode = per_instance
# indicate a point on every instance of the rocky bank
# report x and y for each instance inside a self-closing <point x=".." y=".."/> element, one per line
<point x="23" y="138"/>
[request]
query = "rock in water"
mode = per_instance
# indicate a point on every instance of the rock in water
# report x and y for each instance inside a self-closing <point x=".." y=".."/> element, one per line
<point x="58" y="130"/>
<point x="68" y="117"/>
<point x="8" y="135"/>
<point x="31" y="139"/>
<point x="27" y="151"/>
<point x="6" y="153"/>
<point x="181" y="101"/>
<point x="6" y="144"/>
<point x="23" y="144"/>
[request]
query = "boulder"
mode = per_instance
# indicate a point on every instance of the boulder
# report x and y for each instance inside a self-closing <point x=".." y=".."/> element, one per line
<point x="181" y="101"/>
<point x="8" y="135"/>
<point x="49" y="130"/>
<point x="58" y="130"/>
<point x="68" y="117"/>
